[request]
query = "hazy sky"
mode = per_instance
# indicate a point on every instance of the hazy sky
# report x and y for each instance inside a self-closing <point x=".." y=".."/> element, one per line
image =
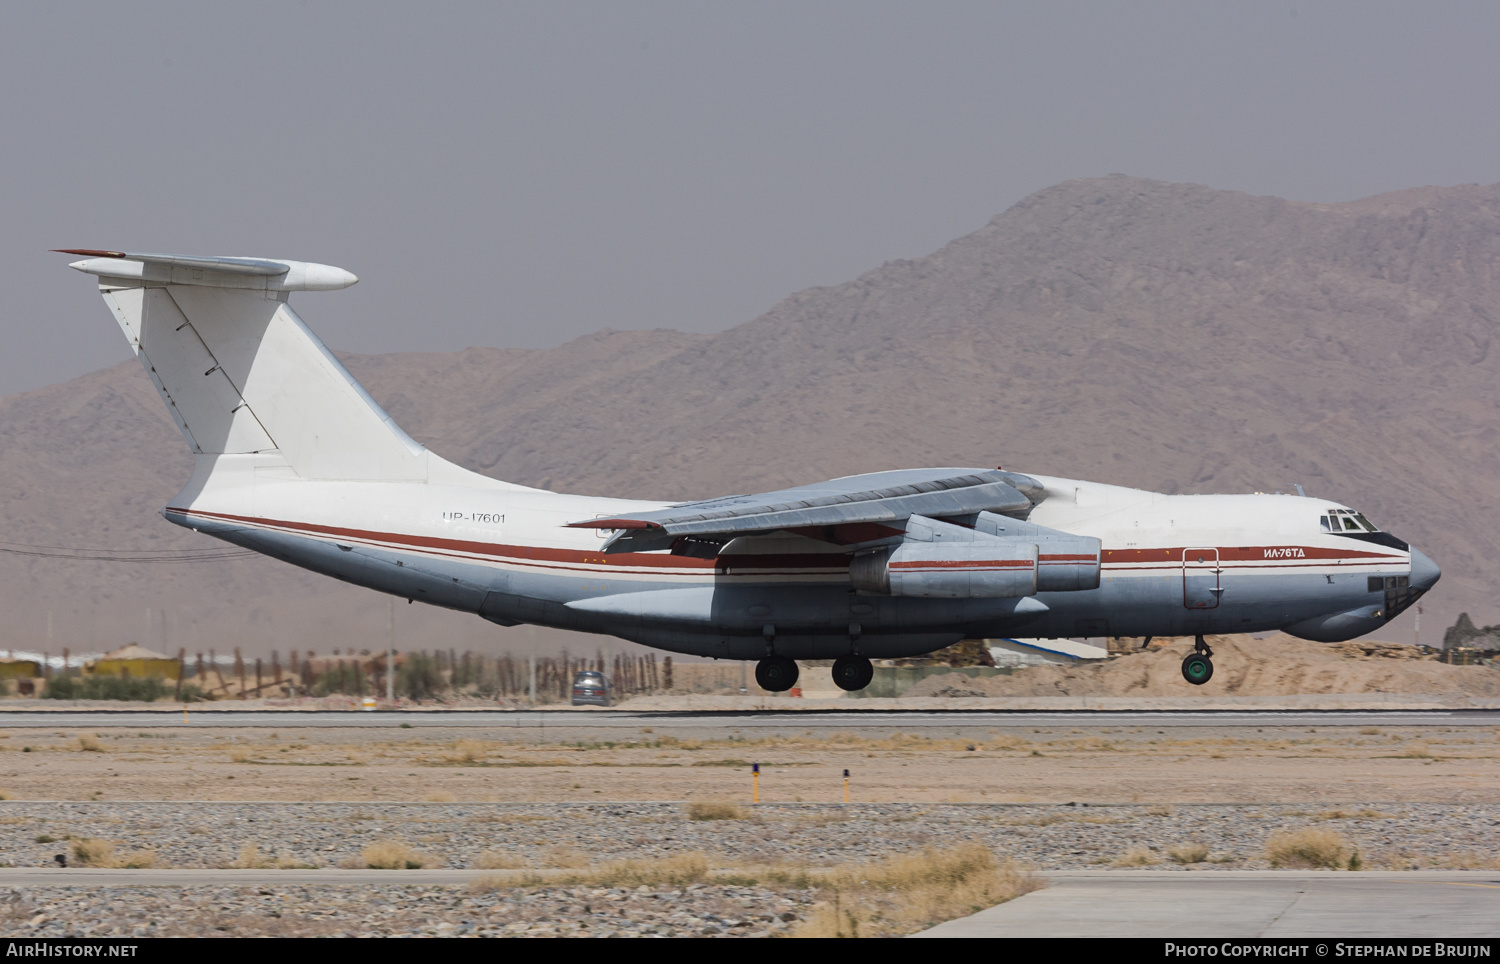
<point x="517" y="174"/>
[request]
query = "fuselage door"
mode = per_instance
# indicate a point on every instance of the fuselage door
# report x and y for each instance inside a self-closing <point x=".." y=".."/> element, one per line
<point x="1200" y="578"/>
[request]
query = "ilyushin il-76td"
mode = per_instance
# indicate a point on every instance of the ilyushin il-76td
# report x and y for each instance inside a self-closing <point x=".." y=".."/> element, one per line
<point x="294" y="459"/>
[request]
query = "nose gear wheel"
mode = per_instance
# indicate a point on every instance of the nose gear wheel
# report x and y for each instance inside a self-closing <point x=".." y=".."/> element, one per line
<point x="1198" y="667"/>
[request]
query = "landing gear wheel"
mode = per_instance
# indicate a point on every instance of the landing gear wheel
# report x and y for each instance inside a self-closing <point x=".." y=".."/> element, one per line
<point x="776" y="674"/>
<point x="852" y="672"/>
<point x="1197" y="669"/>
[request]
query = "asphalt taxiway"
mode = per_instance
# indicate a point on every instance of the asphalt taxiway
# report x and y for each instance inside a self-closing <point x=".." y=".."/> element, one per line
<point x="1441" y="905"/>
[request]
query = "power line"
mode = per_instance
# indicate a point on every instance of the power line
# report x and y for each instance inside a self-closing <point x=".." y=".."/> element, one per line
<point x="133" y="556"/>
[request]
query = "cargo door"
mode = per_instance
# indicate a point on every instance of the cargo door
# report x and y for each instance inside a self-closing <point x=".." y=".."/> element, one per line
<point x="1200" y="578"/>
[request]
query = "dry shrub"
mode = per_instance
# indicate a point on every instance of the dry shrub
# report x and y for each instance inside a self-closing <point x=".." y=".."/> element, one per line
<point x="1312" y="848"/>
<point x="467" y="752"/>
<point x="496" y="860"/>
<point x="679" y="870"/>
<point x="7" y="795"/>
<point x="1364" y="814"/>
<point x="565" y="857"/>
<point x="439" y="796"/>
<point x="716" y="810"/>
<point x="1188" y="853"/>
<point x="1415" y="751"/>
<point x="89" y="744"/>
<point x="393" y="855"/>
<point x="901" y="895"/>
<point x="250" y="858"/>
<point x="239" y="755"/>
<point x="95" y="852"/>
<point x="1137" y="857"/>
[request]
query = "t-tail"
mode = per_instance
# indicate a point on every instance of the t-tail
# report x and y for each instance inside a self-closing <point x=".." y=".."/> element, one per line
<point x="253" y="390"/>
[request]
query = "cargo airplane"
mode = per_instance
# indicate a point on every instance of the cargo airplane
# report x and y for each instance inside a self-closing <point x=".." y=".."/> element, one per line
<point x="294" y="459"/>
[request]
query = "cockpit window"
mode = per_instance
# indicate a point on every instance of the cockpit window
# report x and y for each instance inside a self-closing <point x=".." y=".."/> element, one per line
<point x="1346" y="520"/>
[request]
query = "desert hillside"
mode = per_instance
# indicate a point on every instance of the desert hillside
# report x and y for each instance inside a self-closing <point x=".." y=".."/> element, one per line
<point x="1160" y="335"/>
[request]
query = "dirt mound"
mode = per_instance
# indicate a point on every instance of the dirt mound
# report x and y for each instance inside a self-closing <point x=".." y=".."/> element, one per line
<point x="1243" y="666"/>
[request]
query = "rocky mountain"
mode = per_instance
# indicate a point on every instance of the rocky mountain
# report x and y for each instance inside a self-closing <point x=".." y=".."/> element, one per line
<point x="1167" y="336"/>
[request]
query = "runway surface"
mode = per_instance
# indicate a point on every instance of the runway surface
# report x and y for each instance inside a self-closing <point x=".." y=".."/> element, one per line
<point x="606" y="719"/>
<point x="1444" y="905"/>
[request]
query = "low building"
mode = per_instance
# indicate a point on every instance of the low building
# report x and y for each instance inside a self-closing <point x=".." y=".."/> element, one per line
<point x="136" y="662"/>
<point x="20" y="669"/>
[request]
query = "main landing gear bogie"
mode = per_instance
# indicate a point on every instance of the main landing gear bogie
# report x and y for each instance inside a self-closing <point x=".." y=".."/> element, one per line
<point x="777" y="674"/>
<point x="1198" y="667"/>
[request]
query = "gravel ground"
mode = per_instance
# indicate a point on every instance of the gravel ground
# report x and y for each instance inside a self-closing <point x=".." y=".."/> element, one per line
<point x="1043" y="836"/>
<point x="1398" y="836"/>
<point x="397" y="911"/>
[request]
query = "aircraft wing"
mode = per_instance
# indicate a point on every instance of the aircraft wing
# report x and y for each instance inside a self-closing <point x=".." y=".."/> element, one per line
<point x="879" y="497"/>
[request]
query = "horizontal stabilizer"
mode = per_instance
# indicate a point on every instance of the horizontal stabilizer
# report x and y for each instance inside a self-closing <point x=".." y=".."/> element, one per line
<point x="215" y="272"/>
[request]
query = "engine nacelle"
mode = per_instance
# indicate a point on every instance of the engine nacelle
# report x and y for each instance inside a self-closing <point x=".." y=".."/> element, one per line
<point x="997" y="558"/>
<point x="1065" y="562"/>
<point x="994" y="569"/>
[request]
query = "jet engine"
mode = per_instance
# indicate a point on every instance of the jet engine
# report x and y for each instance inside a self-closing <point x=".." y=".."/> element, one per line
<point x="998" y="557"/>
<point x="990" y="570"/>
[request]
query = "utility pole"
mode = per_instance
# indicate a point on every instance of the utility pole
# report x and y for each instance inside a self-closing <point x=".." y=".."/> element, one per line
<point x="390" y="650"/>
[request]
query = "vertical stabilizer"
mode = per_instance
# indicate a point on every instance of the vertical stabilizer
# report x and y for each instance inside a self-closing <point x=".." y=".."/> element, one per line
<point x="240" y="371"/>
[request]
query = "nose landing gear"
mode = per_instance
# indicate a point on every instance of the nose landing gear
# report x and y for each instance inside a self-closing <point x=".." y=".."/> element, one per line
<point x="776" y="673"/>
<point x="1198" y="668"/>
<point x="852" y="672"/>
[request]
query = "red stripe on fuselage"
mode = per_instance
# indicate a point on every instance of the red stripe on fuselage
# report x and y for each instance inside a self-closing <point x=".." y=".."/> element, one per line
<point x="621" y="560"/>
<point x="540" y="557"/>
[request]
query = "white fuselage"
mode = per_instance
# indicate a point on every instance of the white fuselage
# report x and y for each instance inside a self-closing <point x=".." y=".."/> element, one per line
<point x="507" y="553"/>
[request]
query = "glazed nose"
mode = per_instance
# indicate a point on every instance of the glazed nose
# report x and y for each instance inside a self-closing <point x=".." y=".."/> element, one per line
<point x="1424" y="572"/>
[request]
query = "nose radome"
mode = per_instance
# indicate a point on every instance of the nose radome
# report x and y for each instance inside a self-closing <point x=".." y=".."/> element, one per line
<point x="1424" y="572"/>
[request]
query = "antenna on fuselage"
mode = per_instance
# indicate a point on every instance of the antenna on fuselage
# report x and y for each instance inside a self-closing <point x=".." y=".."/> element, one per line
<point x="1298" y="487"/>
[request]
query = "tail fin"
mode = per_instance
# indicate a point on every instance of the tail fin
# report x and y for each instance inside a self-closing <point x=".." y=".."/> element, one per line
<point x="240" y="371"/>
